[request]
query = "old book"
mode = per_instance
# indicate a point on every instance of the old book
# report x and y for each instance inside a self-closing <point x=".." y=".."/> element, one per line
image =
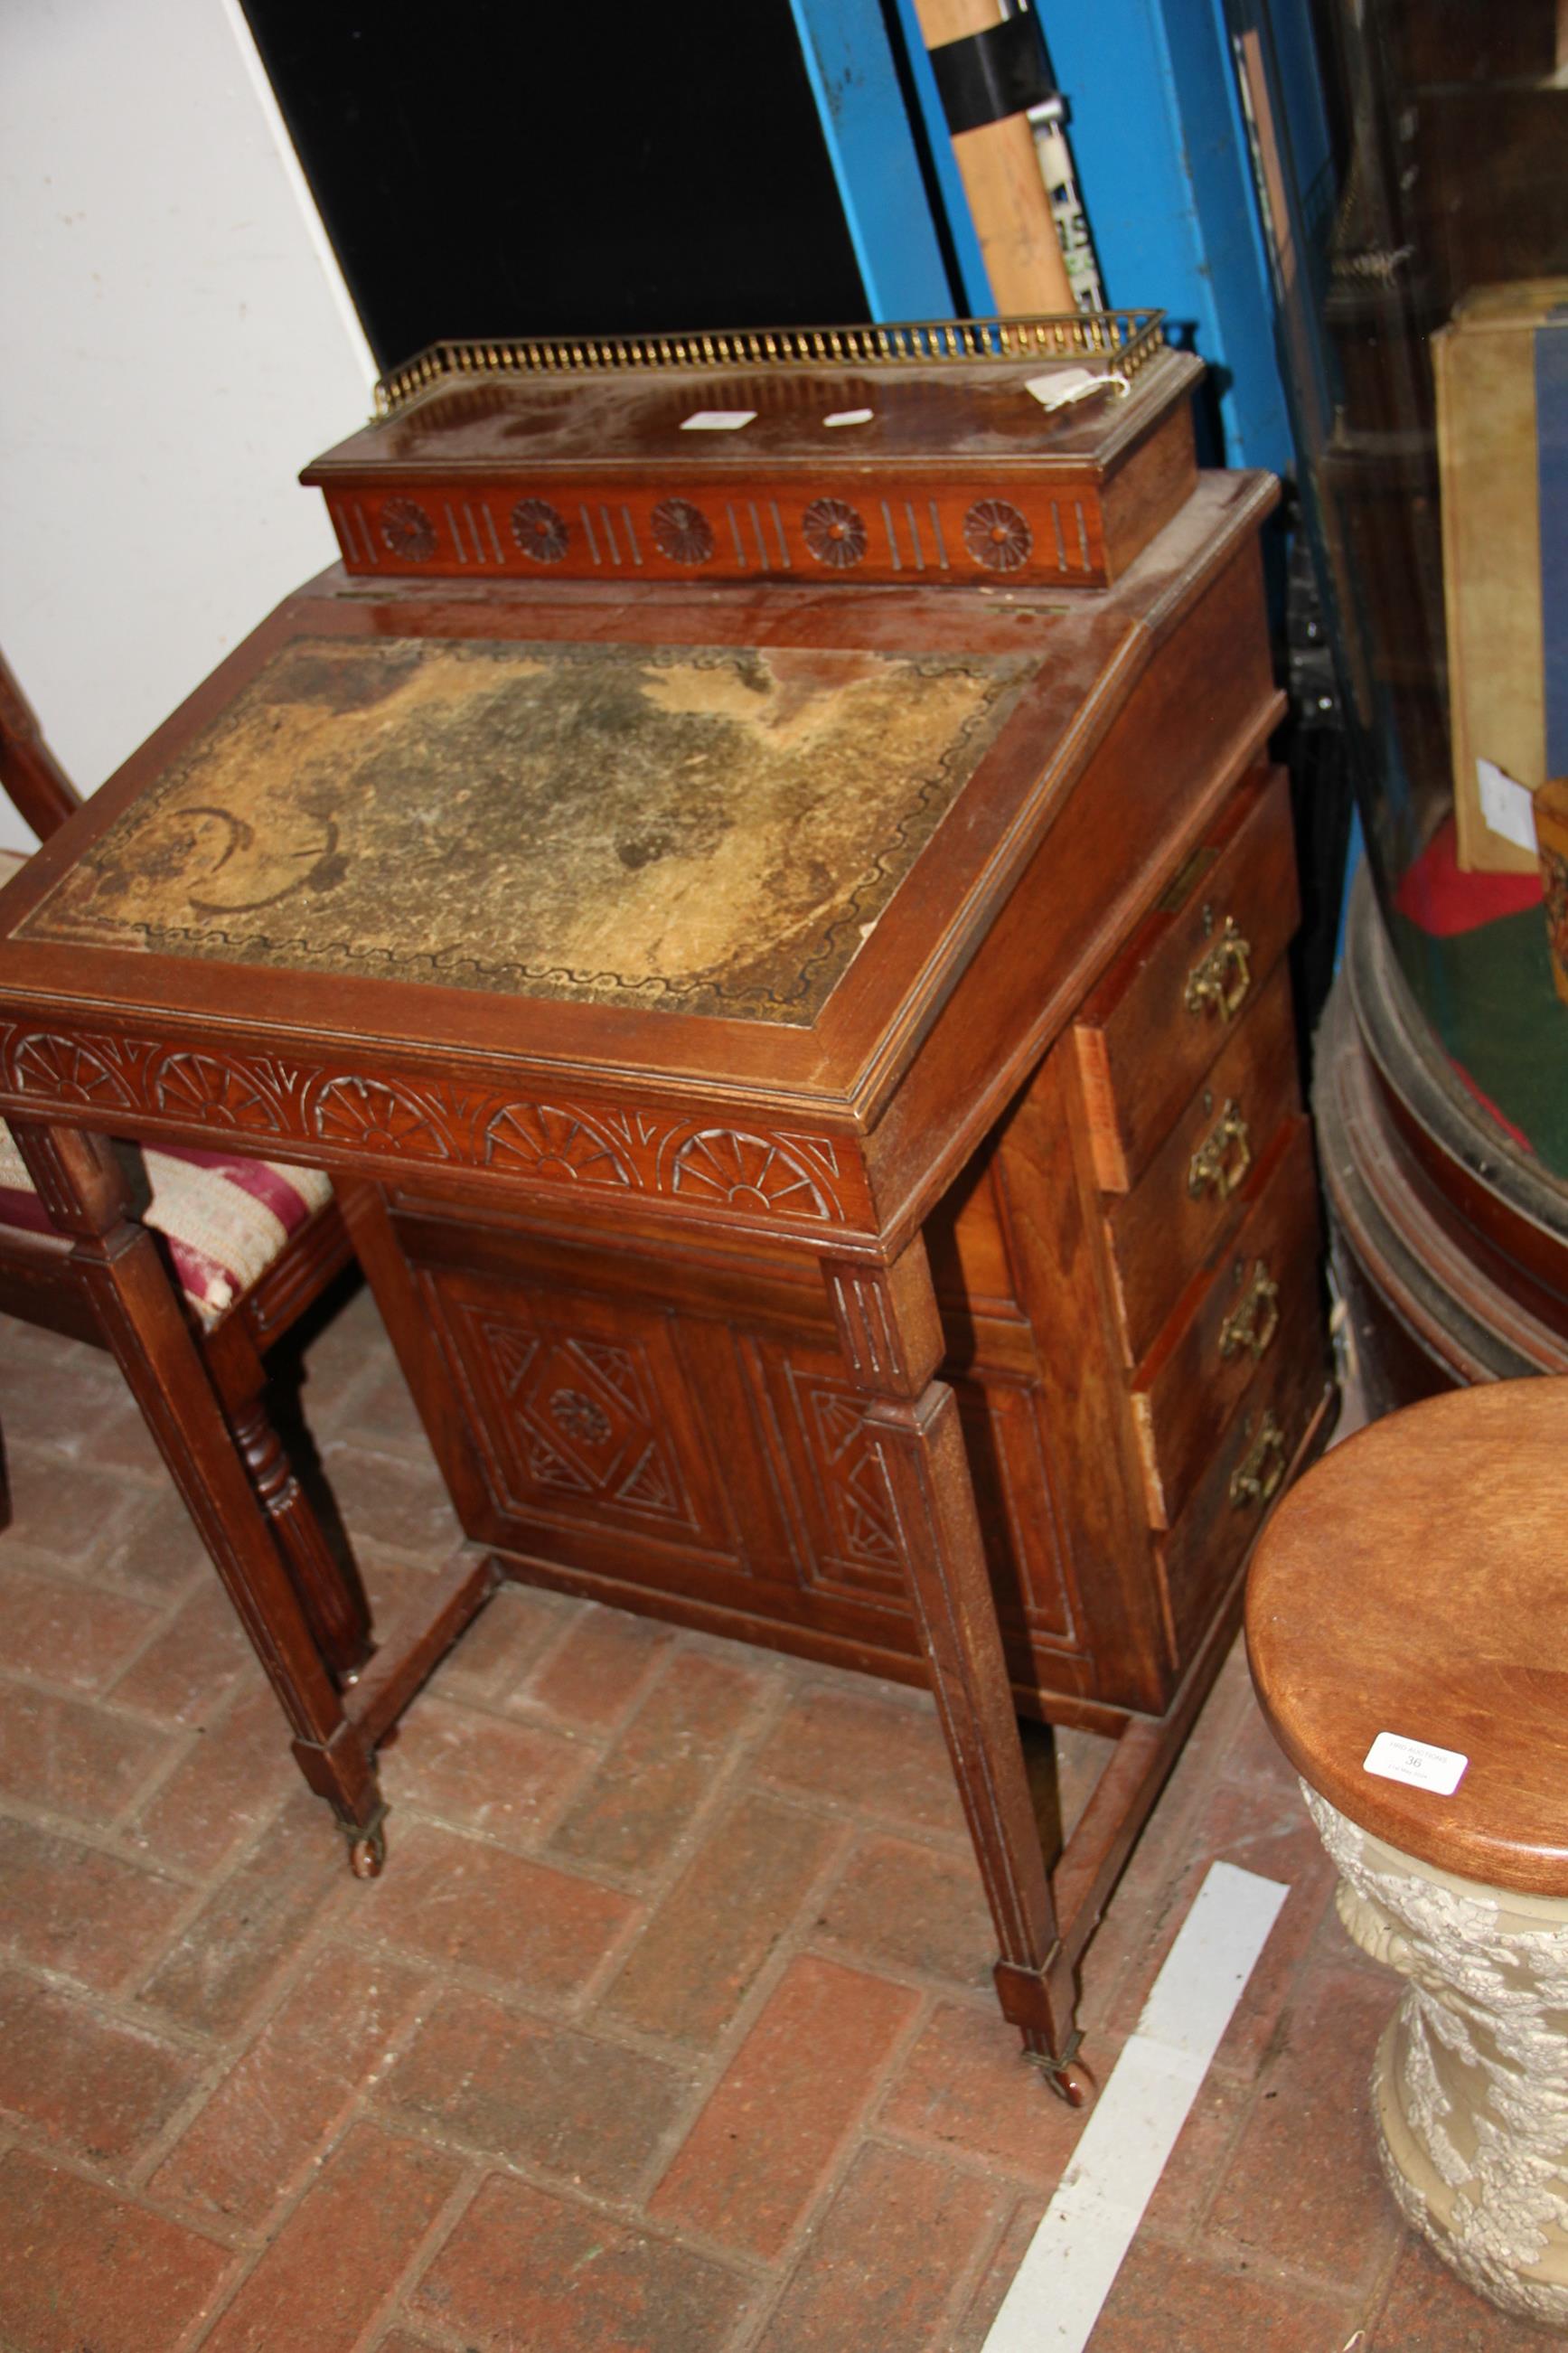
<point x="1501" y="371"/>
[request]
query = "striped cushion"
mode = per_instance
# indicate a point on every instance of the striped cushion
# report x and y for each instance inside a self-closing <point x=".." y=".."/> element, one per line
<point x="225" y="1218"/>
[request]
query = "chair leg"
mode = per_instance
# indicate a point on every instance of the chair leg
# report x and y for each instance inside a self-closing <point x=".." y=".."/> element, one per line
<point x="79" y="1183"/>
<point x="327" y="1585"/>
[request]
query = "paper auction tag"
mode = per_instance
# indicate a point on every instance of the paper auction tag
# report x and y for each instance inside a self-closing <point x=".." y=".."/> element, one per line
<point x="717" y="420"/>
<point x="1416" y="1762"/>
<point x="1064" y="385"/>
<point x="1509" y="808"/>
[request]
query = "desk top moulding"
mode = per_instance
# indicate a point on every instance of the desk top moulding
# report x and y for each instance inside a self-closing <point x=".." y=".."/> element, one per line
<point x="915" y="452"/>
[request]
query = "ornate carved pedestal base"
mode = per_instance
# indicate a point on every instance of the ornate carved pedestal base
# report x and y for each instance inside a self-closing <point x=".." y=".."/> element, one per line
<point x="1470" y="2084"/>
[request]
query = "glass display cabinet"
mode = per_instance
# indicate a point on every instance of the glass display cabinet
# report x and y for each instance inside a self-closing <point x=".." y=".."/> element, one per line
<point x="1423" y="285"/>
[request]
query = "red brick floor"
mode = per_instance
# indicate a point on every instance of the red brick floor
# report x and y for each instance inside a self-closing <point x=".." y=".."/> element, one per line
<point x="668" y="2029"/>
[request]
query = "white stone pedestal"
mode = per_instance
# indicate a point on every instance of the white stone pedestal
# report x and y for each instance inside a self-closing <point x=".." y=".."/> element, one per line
<point x="1470" y="2082"/>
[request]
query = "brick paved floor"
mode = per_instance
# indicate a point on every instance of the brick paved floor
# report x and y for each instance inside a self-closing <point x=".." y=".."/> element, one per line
<point x="669" y="2026"/>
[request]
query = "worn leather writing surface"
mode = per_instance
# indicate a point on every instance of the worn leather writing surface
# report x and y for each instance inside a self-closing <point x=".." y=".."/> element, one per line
<point x="714" y="830"/>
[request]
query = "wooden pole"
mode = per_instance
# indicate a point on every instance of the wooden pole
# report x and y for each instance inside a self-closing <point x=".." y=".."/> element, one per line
<point x="1002" y="179"/>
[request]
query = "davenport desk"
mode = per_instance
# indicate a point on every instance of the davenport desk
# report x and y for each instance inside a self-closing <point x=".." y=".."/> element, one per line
<point x="783" y="953"/>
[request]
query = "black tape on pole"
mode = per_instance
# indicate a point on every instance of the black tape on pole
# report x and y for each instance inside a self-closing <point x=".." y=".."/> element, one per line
<point x="988" y="76"/>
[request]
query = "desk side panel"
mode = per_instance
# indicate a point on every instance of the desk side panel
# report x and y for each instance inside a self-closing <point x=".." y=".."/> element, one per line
<point x="1191" y="724"/>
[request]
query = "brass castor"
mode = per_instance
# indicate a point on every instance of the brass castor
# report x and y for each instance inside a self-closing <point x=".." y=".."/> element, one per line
<point x="1069" y="2084"/>
<point x="367" y="1853"/>
<point x="1067" y="2079"/>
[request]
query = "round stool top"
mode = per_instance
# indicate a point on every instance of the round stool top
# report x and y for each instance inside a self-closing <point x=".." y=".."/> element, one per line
<point x="1416" y="1583"/>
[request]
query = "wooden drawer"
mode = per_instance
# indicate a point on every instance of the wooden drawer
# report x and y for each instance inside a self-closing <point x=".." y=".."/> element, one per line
<point x="1146" y="1035"/>
<point x="1228" y="1505"/>
<point x="1198" y="1188"/>
<point x="1246" y="1304"/>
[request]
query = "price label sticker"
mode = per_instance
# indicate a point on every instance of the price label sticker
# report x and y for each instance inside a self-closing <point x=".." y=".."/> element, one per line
<point x="849" y="417"/>
<point x="1064" y="385"/>
<point x="1416" y="1762"/>
<point x="717" y="420"/>
<point x="1508" y="808"/>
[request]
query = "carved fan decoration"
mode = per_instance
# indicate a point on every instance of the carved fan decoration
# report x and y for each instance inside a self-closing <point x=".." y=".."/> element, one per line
<point x="996" y="536"/>
<point x="67" y="1067"/>
<point x="217" y="1094"/>
<point x="539" y="530"/>
<point x="751" y="1172"/>
<point x="379" y="1118"/>
<point x="408" y="529"/>
<point x="835" y="533"/>
<point x="554" y="1144"/>
<point x="682" y="532"/>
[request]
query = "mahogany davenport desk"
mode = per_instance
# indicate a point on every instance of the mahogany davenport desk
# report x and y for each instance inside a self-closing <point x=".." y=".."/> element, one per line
<point x="809" y="1067"/>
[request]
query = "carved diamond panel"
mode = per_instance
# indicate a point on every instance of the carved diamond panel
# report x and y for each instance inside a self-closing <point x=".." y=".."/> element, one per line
<point x="855" y="1482"/>
<point x="847" y="1536"/>
<point x="582" y="1415"/>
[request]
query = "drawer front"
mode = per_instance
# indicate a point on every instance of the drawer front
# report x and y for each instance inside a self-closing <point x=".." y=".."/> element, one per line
<point x="1169" y="1004"/>
<point x="1249" y="1305"/>
<point x="1232" y="1499"/>
<point x="1198" y="1187"/>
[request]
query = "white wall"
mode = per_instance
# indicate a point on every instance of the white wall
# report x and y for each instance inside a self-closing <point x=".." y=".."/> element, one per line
<point x="178" y="344"/>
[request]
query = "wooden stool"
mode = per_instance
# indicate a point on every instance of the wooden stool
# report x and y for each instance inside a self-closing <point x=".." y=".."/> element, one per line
<point x="1415" y="1584"/>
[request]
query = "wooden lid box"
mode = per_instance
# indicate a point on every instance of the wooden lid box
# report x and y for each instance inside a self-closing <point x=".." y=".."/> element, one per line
<point x="917" y="453"/>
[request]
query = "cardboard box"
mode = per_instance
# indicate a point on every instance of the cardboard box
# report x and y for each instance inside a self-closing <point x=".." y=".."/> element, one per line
<point x="1501" y="372"/>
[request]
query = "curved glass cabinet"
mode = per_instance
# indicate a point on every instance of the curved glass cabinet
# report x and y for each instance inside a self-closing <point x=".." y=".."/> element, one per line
<point x="1423" y="282"/>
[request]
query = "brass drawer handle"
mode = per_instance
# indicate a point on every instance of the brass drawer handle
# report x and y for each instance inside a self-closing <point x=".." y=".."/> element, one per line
<point x="1223" y="1158"/>
<point x="1257" y="1475"/>
<point x="1254" y="1322"/>
<point x="1207" y="983"/>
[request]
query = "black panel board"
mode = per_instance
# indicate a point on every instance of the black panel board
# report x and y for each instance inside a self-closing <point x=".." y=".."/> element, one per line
<point x="491" y="168"/>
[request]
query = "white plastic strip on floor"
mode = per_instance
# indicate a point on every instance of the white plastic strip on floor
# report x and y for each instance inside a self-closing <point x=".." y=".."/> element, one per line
<point x="1090" y="2222"/>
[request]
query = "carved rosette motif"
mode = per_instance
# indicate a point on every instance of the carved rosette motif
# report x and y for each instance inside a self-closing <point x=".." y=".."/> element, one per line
<point x="835" y="533"/>
<point x="539" y="530"/>
<point x="682" y="532"/>
<point x="1470" y="2082"/>
<point x="996" y="536"/>
<point x="407" y="530"/>
<point x="578" y="1416"/>
<point x="282" y="1104"/>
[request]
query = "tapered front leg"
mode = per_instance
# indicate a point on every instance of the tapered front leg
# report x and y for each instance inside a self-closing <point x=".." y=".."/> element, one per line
<point x="890" y="1333"/>
<point x="80" y="1185"/>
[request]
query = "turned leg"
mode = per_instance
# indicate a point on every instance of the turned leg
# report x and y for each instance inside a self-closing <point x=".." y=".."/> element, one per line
<point x="890" y="1333"/>
<point x="79" y="1183"/>
<point x="326" y="1577"/>
<point x="336" y="1610"/>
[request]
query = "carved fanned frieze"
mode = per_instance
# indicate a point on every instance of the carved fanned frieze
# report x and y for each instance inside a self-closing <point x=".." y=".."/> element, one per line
<point x="798" y="1177"/>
